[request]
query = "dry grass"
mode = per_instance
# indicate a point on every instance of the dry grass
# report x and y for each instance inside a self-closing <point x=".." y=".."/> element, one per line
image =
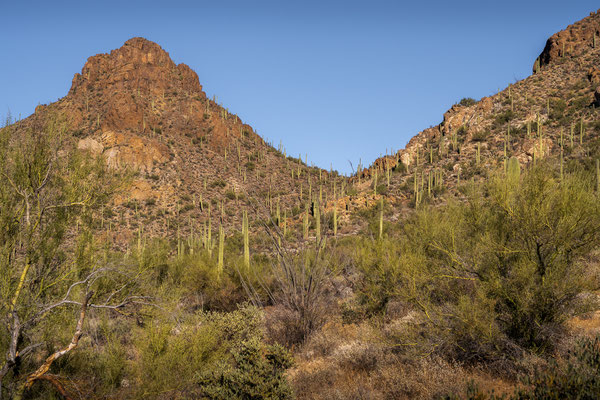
<point x="351" y="361"/>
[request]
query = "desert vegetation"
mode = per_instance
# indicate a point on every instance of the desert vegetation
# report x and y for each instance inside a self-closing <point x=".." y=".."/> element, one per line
<point x="175" y="254"/>
<point x="454" y="299"/>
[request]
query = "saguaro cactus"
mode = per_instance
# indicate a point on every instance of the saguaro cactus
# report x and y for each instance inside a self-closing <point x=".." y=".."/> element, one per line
<point x="246" y="233"/>
<point x="513" y="170"/>
<point x="209" y="244"/>
<point x="335" y="218"/>
<point x="598" y="176"/>
<point x="221" y="249"/>
<point x="381" y="220"/>
<point x="305" y="222"/>
<point x="318" y="221"/>
<point x="561" y="165"/>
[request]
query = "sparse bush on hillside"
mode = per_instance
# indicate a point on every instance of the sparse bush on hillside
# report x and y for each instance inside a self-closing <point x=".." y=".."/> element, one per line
<point x="480" y="136"/>
<point x="219" y="183"/>
<point x="502" y="118"/>
<point x="557" y="110"/>
<point x="467" y="102"/>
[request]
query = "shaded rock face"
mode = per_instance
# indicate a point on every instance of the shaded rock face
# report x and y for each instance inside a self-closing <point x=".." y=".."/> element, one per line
<point x="594" y="75"/>
<point x="138" y="64"/>
<point x="139" y="68"/>
<point x="571" y="42"/>
<point x="597" y="96"/>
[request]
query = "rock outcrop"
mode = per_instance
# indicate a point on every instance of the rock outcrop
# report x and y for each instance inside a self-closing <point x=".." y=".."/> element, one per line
<point x="571" y="42"/>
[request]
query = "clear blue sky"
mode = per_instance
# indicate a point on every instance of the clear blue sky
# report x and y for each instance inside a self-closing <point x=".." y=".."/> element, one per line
<point x="339" y="80"/>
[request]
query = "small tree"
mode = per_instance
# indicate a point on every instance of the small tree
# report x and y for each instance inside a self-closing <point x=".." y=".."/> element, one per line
<point x="505" y="269"/>
<point x="49" y="193"/>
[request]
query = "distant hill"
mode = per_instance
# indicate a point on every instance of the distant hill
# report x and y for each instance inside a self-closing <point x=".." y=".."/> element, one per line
<point x="553" y="111"/>
<point x="192" y="157"/>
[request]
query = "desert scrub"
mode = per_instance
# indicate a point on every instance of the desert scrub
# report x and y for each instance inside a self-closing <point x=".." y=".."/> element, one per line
<point x="467" y="102"/>
<point x="218" y="183"/>
<point x="572" y="377"/>
<point x="493" y="276"/>
<point x="502" y="118"/>
<point x="506" y="266"/>
<point x="214" y="355"/>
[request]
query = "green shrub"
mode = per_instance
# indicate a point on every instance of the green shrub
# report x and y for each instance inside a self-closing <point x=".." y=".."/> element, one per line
<point x="496" y="274"/>
<point x="213" y="355"/>
<point x="501" y="119"/>
<point x="557" y="109"/>
<point x="577" y="378"/>
<point x="467" y="102"/>
<point x="480" y="136"/>
<point x="230" y="194"/>
<point x="257" y="373"/>
<point x="218" y="183"/>
<point x="574" y="378"/>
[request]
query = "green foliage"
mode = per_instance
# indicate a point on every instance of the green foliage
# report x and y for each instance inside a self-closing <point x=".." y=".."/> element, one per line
<point x="496" y="274"/>
<point x="219" y="183"/>
<point x="173" y="355"/>
<point x="480" y="136"/>
<point x="250" y="166"/>
<point x="577" y="378"/>
<point x="50" y="194"/>
<point x="230" y="194"/>
<point x="383" y="269"/>
<point x="382" y="189"/>
<point x="557" y="110"/>
<point x="467" y="101"/>
<point x="257" y="373"/>
<point x="502" y="118"/>
<point x="213" y="355"/>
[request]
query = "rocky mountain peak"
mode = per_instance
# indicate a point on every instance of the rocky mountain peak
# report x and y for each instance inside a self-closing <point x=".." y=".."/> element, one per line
<point x="573" y="41"/>
<point x="139" y="65"/>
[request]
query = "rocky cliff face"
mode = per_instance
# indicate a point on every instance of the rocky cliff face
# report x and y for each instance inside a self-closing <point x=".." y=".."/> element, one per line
<point x="574" y="41"/>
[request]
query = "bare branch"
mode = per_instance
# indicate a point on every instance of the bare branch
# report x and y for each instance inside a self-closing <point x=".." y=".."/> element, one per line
<point x="53" y="380"/>
<point x="74" y="342"/>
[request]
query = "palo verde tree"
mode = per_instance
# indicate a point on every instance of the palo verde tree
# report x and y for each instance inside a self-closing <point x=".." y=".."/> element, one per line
<point x="505" y="269"/>
<point x="49" y="192"/>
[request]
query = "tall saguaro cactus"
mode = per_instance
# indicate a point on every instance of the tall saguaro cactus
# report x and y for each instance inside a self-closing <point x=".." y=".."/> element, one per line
<point x="598" y="176"/>
<point x="381" y="220"/>
<point x="221" y="249"/>
<point x="305" y="222"/>
<point x="318" y="221"/>
<point x="513" y="170"/>
<point x="335" y="218"/>
<point x="246" y="234"/>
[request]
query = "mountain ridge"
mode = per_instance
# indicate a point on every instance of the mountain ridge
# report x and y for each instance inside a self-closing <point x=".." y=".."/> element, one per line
<point x="193" y="159"/>
<point x="137" y="108"/>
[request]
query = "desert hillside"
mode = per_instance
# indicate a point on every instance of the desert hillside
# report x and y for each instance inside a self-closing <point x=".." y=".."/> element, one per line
<point x="153" y="245"/>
